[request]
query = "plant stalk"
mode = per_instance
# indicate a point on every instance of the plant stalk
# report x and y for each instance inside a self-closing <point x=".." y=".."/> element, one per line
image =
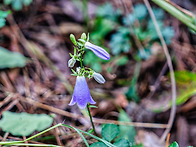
<point x="187" y="20"/>
<point x="91" y="120"/>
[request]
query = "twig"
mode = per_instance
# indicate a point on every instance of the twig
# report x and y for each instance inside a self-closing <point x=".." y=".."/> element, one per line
<point x="173" y="83"/>
<point x="33" y="49"/>
<point x="5" y="136"/>
<point x="96" y="120"/>
<point x="135" y="37"/>
<point x="13" y="103"/>
<point x="157" y="82"/>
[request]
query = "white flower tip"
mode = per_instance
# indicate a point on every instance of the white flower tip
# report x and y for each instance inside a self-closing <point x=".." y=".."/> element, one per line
<point x="99" y="78"/>
<point x="71" y="62"/>
<point x="98" y="51"/>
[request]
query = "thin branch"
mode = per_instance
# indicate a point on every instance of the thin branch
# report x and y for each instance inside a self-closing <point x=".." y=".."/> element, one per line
<point x="96" y="120"/>
<point x="169" y="62"/>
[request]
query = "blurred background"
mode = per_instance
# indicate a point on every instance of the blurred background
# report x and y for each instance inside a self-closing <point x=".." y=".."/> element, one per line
<point x="138" y="86"/>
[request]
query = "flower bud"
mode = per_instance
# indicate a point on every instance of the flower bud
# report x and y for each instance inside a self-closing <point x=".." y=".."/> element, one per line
<point x="83" y="36"/>
<point x="73" y="39"/>
<point x="99" y="78"/>
<point x="78" y="69"/>
<point x="71" y="62"/>
<point x="98" y="51"/>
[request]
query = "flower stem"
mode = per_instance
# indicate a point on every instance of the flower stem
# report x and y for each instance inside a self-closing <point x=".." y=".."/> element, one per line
<point x="91" y="120"/>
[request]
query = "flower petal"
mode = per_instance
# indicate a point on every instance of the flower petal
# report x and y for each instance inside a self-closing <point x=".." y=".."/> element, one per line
<point x="81" y="93"/>
<point x="98" y="51"/>
<point x="91" y="101"/>
<point x="73" y="101"/>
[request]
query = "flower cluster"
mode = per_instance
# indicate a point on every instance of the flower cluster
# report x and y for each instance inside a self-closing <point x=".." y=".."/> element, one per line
<point x="81" y="94"/>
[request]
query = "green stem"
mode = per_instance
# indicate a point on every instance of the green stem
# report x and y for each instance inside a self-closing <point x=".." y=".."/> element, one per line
<point x="91" y="120"/>
<point x="42" y="132"/>
<point x="21" y="142"/>
<point x="176" y="13"/>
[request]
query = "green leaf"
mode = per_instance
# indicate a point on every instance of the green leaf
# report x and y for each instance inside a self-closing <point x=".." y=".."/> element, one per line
<point x="101" y="28"/>
<point x="2" y="22"/>
<point x="174" y="144"/>
<point x="17" y="5"/>
<point x="27" y="2"/>
<point x="24" y="124"/>
<point x="140" y="11"/>
<point x="10" y="59"/>
<point x="122" y="60"/>
<point x="110" y="131"/>
<point x="7" y="2"/>
<point x="3" y="15"/>
<point x="92" y="60"/>
<point x="120" y="41"/>
<point x="91" y="135"/>
<point x="132" y="91"/>
<point x="186" y="88"/>
<point x="96" y="66"/>
<point x="122" y="143"/>
<point x="126" y="132"/>
<point x="98" y="144"/>
<point x="107" y="11"/>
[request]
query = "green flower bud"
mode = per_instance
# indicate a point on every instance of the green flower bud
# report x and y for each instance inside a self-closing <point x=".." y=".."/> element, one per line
<point x="73" y="39"/>
<point x="83" y="36"/>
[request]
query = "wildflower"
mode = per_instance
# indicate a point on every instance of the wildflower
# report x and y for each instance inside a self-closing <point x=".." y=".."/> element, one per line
<point x="81" y="94"/>
<point x="98" y="51"/>
<point x="98" y="77"/>
<point x="71" y="62"/>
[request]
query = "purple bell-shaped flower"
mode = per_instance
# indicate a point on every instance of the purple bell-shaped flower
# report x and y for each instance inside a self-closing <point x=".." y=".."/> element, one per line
<point x="98" y="51"/>
<point x="81" y="94"/>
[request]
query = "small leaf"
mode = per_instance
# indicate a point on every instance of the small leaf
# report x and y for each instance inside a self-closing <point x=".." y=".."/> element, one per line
<point x="24" y="124"/>
<point x="10" y="59"/>
<point x="17" y="5"/>
<point x="126" y="132"/>
<point x="3" y="15"/>
<point x="174" y="144"/>
<point x="2" y="22"/>
<point x="122" y="143"/>
<point x="27" y="2"/>
<point x="110" y="131"/>
<point x="7" y="2"/>
<point x="98" y="144"/>
<point x="92" y="106"/>
<point x="140" y="11"/>
<point x="122" y="60"/>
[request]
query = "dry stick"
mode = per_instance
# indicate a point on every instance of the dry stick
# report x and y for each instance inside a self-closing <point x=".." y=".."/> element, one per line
<point x="13" y="103"/>
<point x="137" y="41"/>
<point x="157" y="82"/>
<point x="6" y="100"/>
<point x="5" y="136"/>
<point x="57" y="136"/>
<point x="96" y="120"/>
<point x="173" y="83"/>
<point x="32" y="48"/>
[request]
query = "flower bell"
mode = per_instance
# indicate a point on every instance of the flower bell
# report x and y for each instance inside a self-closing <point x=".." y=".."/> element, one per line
<point x="98" y="51"/>
<point x="81" y="94"/>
